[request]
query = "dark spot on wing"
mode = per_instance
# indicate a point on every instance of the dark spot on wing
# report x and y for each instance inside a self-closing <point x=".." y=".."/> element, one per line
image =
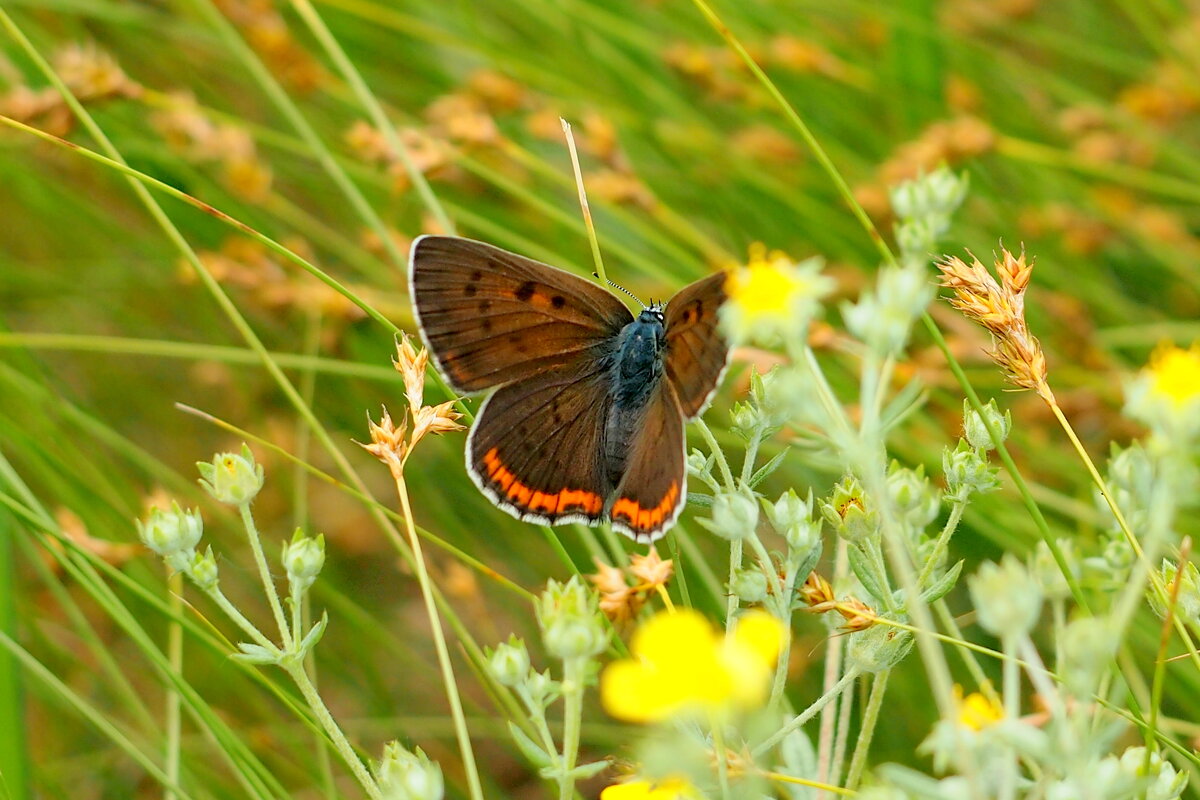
<point x="526" y="291"/>
<point x="470" y="289"/>
<point x="476" y="276"/>
<point x="486" y="324"/>
<point x="558" y="301"/>
<point x="485" y="306"/>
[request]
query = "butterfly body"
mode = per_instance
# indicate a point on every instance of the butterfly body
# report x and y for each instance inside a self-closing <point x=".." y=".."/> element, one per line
<point x="585" y="422"/>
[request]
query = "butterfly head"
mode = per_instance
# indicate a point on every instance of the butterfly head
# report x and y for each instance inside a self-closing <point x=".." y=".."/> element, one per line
<point x="655" y="313"/>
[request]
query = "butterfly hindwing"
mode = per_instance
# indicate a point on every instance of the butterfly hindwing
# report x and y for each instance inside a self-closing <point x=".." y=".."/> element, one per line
<point x="654" y="486"/>
<point x="696" y="353"/>
<point x="536" y="448"/>
<point x="491" y="317"/>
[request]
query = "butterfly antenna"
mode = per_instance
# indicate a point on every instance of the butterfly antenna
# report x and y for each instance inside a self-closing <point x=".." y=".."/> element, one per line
<point x="622" y="288"/>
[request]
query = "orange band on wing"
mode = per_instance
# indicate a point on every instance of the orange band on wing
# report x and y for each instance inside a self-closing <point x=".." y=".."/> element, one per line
<point x="645" y="519"/>
<point x="565" y="501"/>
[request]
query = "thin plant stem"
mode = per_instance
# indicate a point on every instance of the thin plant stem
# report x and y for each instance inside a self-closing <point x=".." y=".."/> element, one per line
<point x="795" y="722"/>
<point x="858" y="760"/>
<point x="833" y="667"/>
<point x="732" y="601"/>
<point x="365" y="96"/>
<point x="295" y="670"/>
<point x="1011" y="693"/>
<point x="943" y="541"/>
<point x="439" y="642"/>
<point x="583" y="203"/>
<point x="174" y="721"/>
<point x="572" y="688"/>
<point x="1160" y="661"/>
<point x="845" y="708"/>
<point x="1155" y="581"/>
<point x="264" y="574"/>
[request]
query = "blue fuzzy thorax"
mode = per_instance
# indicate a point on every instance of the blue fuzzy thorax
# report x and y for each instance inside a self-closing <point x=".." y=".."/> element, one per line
<point x="638" y="362"/>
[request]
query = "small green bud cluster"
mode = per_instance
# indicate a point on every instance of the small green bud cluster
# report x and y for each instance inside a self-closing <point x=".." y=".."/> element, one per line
<point x="303" y="558"/>
<point x="569" y="617"/>
<point x="924" y="207"/>
<point x="883" y="318"/>
<point x="173" y="534"/>
<point x="734" y="514"/>
<point x="407" y="775"/>
<point x="1187" y="603"/>
<point x="1006" y="597"/>
<point x="232" y="478"/>
<point x="850" y="513"/>
<point x="913" y="497"/>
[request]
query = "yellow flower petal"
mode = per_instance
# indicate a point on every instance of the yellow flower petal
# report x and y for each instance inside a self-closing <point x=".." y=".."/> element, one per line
<point x="667" y="789"/>
<point x="760" y="633"/>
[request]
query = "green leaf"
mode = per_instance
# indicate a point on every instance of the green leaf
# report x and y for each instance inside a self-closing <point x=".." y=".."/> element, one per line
<point x="529" y="748"/>
<point x="943" y="585"/>
<point x="860" y="563"/>
<point x="767" y="468"/>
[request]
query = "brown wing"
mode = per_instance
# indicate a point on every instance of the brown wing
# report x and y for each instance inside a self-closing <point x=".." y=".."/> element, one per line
<point x="535" y="449"/>
<point x="696" y="353"/>
<point x="491" y="317"/>
<point x="652" y="491"/>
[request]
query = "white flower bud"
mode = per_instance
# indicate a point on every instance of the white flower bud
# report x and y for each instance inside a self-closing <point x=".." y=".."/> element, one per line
<point x="232" y="478"/>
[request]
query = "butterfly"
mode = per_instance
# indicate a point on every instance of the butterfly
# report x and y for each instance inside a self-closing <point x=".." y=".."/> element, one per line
<point x="585" y="422"/>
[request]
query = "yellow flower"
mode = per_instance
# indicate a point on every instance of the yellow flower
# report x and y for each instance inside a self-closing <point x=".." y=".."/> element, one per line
<point x="772" y="299"/>
<point x="666" y="789"/>
<point x="1165" y="395"/>
<point x="681" y="664"/>
<point x="976" y="711"/>
<point x="1175" y="373"/>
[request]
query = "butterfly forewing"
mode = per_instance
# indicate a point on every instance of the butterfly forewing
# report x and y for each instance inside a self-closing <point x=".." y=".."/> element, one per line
<point x="491" y="317"/>
<point x="535" y="449"/>
<point x="696" y="353"/>
<point x="654" y="487"/>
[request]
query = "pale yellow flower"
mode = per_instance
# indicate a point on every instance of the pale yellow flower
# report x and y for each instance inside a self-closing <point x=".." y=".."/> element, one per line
<point x="772" y="299"/>
<point x="976" y="711"/>
<point x="666" y="789"/>
<point x="1165" y="395"/>
<point x="682" y="665"/>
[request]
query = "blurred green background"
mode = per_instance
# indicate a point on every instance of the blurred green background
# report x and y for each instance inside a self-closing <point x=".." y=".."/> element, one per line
<point x="1077" y="121"/>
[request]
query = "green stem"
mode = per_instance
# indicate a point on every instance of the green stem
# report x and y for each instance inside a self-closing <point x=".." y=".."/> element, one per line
<point x="807" y="714"/>
<point x="264" y="574"/>
<point x="1011" y="693"/>
<point x="439" y="642"/>
<point x="870" y="719"/>
<point x="572" y="688"/>
<point x="295" y="669"/>
<point x="239" y="619"/>
<point x="943" y="541"/>
<point x="175" y="663"/>
<point x="732" y="601"/>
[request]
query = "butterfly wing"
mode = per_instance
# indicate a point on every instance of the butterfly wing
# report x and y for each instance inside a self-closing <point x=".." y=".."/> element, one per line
<point x="696" y="353"/>
<point x="491" y="317"/>
<point x="536" y="451"/>
<point x="652" y="491"/>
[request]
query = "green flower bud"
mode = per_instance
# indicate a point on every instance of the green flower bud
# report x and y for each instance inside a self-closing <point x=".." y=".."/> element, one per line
<point x="936" y="194"/>
<point x="171" y="533"/>
<point x="509" y="662"/>
<point x="791" y="517"/>
<point x="1007" y="598"/>
<point x="750" y="585"/>
<point x="403" y="775"/>
<point x="568" y="614"/>
<point x="1165" y="782"/>
<point x="1132" y="475"/>
<point x="203" y="570"/>
<point x="734" y="515"/>
<point x="913" y="496"/>
<point x="232" y="478"/>
<point x="883" y="317"/>
<point x="699" y="465"/>
<point x="1187" y="605"/>
<point x="543" y="690"/>
<point x="303" y="558"/>
<point x="975" y="430"/>
<point x="966" y="473"/>
<point x="745" y="420"/>
<point x="848" y="511"/>
<point x="877" y="648"/>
